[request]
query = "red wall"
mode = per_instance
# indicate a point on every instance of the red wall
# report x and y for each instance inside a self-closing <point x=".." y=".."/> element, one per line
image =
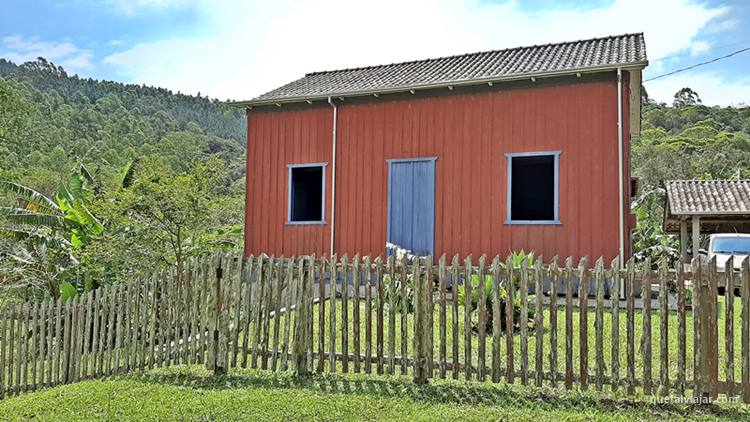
<point x="469" y="134"/>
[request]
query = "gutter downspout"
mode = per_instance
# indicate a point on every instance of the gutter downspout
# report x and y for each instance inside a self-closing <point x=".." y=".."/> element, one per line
<point x="333" y="173"/>
<point x="620" y="167"/>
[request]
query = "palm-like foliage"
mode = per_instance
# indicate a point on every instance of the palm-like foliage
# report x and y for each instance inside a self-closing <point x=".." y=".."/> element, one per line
<point x="46" y="234"/>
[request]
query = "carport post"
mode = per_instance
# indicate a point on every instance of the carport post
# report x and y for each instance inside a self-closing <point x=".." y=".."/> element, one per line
<point x="683" y="239"/>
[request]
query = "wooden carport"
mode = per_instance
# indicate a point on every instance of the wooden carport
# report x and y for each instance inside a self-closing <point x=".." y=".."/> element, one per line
<point x="706" y="207"/>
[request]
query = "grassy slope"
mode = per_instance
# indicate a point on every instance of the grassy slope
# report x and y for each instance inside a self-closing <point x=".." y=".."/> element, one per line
<point x="191" y="394"/>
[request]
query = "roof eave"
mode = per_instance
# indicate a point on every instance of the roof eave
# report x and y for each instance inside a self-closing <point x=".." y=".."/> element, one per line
<point x="593" y="69"/>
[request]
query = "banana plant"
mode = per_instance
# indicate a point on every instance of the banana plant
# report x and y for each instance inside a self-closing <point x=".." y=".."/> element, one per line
<point x="52" y="231"/>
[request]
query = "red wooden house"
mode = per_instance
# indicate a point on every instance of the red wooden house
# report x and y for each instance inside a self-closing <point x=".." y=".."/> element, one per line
<point x="484" y="153"/>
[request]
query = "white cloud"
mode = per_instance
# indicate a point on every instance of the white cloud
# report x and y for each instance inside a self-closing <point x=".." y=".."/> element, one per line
<point x="712" y="89"/>
<point x="256" y="46"/>
<point x="699" y="47"/>
<point x="115" y="43"/>
<point x="19" y="50"/>
<point x="130" y="7"/>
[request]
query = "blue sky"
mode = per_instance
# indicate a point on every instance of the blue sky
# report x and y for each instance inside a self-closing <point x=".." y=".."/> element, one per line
<point x="236" y="49"/>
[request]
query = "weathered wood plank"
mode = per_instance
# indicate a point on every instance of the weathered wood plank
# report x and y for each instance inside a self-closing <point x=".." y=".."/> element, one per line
<point x="259" y="311"/>
<point x="523" y="321"/>
<point x="58" y="340"/>
<point x="583" y="324"/>
<point x="368" y="314"/>
<point x="4" y="340"/>
<point x="599" y="323"/>
<point x="681" y="328"/>
<point x="12" y="356"/>
<point x="554" y="272"/>
<point x="646" y="333"/>
<point x="745" y="293"/>
<point x="442" y="353"/>
<point x="509" y="323"/>
<point x="614" y="303"/>
<point x="468" y="295"/>
<point x="404" y="308"/>
<point x="496" y="319"/>
<point x="630" y="326"/>
<point x="663" y="330"/>
<point x="569" y="323"/>
<point x="285" y="270"/>
<point x="273" y="280"/>
<point x="391" y="315"/>
<point x="538" y="322"/>
<point x="43" y="338"/>
<point x="379" y="317"/>
<point x="729" y="326"/>
<point x="454" y="313"/>
<point x="332" y="317"/>
<point x="322" y="316"/>
<point x="482" y="305"/>
<point x="345" y="313"/>
<point x="247" y="278"/>
<point x="355" y="312"/>
<point x="292" y="286"/>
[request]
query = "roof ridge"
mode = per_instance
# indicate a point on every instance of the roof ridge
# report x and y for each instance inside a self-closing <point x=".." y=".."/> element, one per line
<point x="432" y="59"/>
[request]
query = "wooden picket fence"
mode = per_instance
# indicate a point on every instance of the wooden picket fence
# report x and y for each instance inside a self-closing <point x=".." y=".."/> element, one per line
<point x="391" y="316"/>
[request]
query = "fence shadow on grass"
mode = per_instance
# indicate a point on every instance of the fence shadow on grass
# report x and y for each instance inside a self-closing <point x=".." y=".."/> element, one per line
<point x="438" y="392"/>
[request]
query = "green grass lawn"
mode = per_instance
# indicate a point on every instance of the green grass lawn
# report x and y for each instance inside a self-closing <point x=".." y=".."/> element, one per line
<point x="191" y="393"/>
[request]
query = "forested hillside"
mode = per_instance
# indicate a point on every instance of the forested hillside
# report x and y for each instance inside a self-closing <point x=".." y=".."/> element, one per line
<point x="102" y="181"/>
<point x="683" y="140"/>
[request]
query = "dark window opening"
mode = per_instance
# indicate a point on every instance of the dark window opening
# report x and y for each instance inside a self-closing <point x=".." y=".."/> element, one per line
<point x="532" y="188"/>
<point x="306" y="194"/>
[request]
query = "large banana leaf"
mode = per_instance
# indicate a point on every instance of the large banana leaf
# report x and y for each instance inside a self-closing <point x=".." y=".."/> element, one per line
<point x="33" y="219"/>
<point x="39" y="202"/>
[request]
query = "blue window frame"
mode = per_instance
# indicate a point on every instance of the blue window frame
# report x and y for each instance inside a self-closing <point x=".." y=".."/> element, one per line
<point x="533" y="188"/>
<point x="306" y="193"/>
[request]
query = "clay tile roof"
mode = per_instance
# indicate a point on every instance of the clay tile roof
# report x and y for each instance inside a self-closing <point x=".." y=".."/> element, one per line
<point x="695" y="197"/>
<point x="567" y="57"/>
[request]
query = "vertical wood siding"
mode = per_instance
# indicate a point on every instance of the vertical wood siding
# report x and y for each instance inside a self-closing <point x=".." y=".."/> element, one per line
<point x="469" y="134"/>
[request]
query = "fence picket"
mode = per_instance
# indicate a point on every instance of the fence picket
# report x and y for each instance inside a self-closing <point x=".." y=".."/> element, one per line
<point x="285" y="270"/>
<point x="646" y="333"/>
<point x="355" y="312"/>
<point x="332" y="317"/>
<point x="322" y="318"/>
<point x="165" y="320"/>
<point x="554" y="274"/>
<point x="379" y="336"/>
<point x="291" y="287"/>
<point x="630" y="326"/>
<point x="443" y="317"/>
<point x="391" y="315"/>
<point x="482" y="305"/>
<point x="583" y="324"/>
<point x="745" y="283"/>
<point x="509" y="324"/>
<point x="345" y="313"/>
<point x="468" y="287"/>
<point x="599" y="323"/>
<point x="614" y="300"/>
<point x="523" y="321"/>
<point x="454" y="314"/>
<point x="538" y="322"/>
<point x="681" y="328"/>
<point x="404" y="308"/>
<point x="368" y="314"/>
<point x="664" y="330"/>
<point x="729" y="326"/>
<point x="569" y="323"/>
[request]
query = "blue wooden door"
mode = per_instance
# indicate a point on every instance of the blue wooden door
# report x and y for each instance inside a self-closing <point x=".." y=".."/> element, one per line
<point x="411" y="204"/>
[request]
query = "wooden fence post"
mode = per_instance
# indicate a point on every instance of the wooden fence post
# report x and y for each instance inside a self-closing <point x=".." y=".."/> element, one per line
<point x="422" y="291"/>
<point x="215" y="361"/>
<point x="302" y="330"/>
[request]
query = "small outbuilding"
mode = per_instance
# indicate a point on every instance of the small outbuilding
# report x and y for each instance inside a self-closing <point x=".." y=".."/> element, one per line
<point x="707" y="207"/>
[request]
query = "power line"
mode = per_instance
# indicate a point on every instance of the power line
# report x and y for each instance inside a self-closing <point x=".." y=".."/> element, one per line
<point x="734" y="53"/>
